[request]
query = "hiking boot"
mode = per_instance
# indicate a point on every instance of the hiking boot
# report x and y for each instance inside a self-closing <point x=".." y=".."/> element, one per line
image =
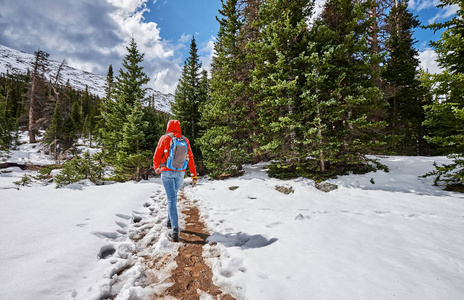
<point x="169" y="224"/>
<point x="174" y="236"/>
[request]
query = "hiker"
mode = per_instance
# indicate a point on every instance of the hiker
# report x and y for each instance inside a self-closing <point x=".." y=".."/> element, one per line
<point x="172" y="166"/>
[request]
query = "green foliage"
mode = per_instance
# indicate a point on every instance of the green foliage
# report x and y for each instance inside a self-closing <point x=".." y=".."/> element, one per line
<point x="129" y="132"/>
<point x="444" y="118"/>
<point x="7" y="123"/>
<point x="222" y="152"/>
<point x="190" y="95"/>
<point x="26" y="180"/>
<point x="129" y="83"/>
<point x="132" y="162"/>
<point x="310" y="169"/>
<point x="452" y="175"/>
<point x="278" y="82"/>
<point x="337" y="127"/>
<point x="403" y="90"/>
<point x="228" y="115"/>
<point x="79" y="168"/>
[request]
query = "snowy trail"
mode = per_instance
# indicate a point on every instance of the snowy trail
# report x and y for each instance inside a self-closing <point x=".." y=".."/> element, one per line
<point x="378" y="236"/>
<point x="193" y="277"/>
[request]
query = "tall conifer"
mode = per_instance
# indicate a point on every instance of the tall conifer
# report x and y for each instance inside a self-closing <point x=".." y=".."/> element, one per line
<point x="123" y="134"/>
<point x="226" y="143"/>
<point x="401" y="76"/>
<point x="445" y="117"/>
<point x="278" y="80"/>
<point x="188" y="97"/>
<point x="339" y="97"/>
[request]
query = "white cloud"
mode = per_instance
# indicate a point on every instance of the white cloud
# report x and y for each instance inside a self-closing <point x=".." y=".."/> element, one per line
<point x="444" y="14"/>
<point x="428" y="61"/>
<point x="127" y="7"/>
<point x="160" y="62"/>
<point x="91" y="35"/>
<point x="206" y="54"/>
<point x="185" y="38"/>
<point x="423" y="4"/>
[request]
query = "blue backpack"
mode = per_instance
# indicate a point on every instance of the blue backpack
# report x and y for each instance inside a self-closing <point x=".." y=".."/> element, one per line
<point x="177" y="159"/>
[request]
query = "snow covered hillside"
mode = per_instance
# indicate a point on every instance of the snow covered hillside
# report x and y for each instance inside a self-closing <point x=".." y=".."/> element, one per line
<point x="378" y="236"/>
<point x="14" y="61"/>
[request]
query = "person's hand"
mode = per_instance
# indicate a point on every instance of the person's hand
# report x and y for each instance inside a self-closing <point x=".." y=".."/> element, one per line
<point x="157" y="171"/>
<point x="194" y="181"/>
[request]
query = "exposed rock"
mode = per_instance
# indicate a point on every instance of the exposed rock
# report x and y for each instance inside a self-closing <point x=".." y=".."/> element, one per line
<point x="326" y="187"/>
<point x="233" y="188"/>
<point x="284" y="189"/>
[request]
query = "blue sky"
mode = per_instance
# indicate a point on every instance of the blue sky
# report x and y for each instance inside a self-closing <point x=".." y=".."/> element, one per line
<point x="179" y="20"/>
<point x="92" y="34"/>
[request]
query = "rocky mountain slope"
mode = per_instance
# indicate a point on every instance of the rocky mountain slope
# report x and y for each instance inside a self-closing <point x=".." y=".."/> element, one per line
<point x="14" y="61"/>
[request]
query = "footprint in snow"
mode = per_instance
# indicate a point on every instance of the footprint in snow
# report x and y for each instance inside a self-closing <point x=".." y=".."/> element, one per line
<point x="126" y="217"/>
<point x="106" y="251"/>
<point x="113" y="236"/>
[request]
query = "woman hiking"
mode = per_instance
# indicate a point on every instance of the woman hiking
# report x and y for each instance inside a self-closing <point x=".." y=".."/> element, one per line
<point x="172" y="156"/>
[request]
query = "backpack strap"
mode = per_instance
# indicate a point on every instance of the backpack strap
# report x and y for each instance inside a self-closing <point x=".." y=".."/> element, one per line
<point x="165" y="151"/>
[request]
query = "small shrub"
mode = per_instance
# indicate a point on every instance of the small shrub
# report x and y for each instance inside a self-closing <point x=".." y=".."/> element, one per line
<point x="79" y="168"/>
<point x="26" y="180"/>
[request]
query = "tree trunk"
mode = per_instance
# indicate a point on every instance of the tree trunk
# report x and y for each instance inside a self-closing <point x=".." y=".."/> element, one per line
<point x="31" y="113"/>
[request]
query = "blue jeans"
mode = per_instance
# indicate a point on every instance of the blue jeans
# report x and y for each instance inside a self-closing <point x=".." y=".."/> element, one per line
<point x="172" y="181"/>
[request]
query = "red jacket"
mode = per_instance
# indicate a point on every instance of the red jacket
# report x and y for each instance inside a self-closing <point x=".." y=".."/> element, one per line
<point x="162" y="150"/>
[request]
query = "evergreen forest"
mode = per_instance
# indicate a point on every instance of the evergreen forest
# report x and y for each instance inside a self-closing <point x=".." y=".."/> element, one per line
<point x="312" y="96"/>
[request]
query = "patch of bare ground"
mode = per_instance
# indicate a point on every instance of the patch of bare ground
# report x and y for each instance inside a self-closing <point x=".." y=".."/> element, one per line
<point x="192" y="276"/>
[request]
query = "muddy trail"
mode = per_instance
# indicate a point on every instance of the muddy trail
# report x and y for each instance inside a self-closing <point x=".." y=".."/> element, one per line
<point x="193" y="276"/>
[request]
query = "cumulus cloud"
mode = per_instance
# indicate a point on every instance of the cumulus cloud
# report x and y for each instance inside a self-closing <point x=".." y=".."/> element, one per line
<point x="90" y="35"/>
<point x="440" y="15"/>
<point x="206" y="54"/>
<point x="428" y="61"/>
<point x="444" y="14"/>
<point x="423" y="4"/>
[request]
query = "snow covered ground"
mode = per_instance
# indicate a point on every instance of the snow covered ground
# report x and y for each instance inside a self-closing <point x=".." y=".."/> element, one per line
<point x="397" y="238"/>
<point x="378" y="236"/>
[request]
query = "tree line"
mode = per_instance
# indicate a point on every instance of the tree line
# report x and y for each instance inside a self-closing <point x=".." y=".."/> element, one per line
<point x="313" y="95"/>
<point x="317" y="95"/>
<point x="45" y="106"/>
<point x="60" y="117"/>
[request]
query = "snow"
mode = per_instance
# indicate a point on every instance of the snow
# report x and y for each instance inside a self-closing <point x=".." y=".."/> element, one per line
<point x="399" y="237"/>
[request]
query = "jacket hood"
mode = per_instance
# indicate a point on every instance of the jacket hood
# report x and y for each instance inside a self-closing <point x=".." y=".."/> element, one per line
<point x="174" y="127"/>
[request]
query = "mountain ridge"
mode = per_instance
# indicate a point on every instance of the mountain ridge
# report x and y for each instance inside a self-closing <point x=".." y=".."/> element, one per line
<point x="18" y="62"/>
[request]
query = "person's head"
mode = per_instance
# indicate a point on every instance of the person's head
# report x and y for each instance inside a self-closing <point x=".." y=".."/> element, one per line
<point x="173" y="126"/>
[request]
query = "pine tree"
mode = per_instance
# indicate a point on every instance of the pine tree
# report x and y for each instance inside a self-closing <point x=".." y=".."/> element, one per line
<point x="132" y="162"/>
<point x="188" y="97"/>
<point x="278" y="83"/>
<point x="444" y="118"/>
<point x="109" y="82"/>
<point x="128" y="89"/>
<point x="338" y="128"/>
<point x="129" y="83"/>
<point x="69" y="135"/>
<point x="125" y="133"/>
<point x="227" y="140"/>
<point x="54" y="134"/>
<point x="36" y="92"/>
<point x="7" y="124"/>
<point x="401" y="76"/>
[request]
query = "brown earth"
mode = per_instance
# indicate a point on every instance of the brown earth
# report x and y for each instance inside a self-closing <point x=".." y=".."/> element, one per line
<point x="192" y="273"/>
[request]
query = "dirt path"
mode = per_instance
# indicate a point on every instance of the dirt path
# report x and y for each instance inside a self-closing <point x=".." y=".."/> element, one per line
<point x="193" y="275"/>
